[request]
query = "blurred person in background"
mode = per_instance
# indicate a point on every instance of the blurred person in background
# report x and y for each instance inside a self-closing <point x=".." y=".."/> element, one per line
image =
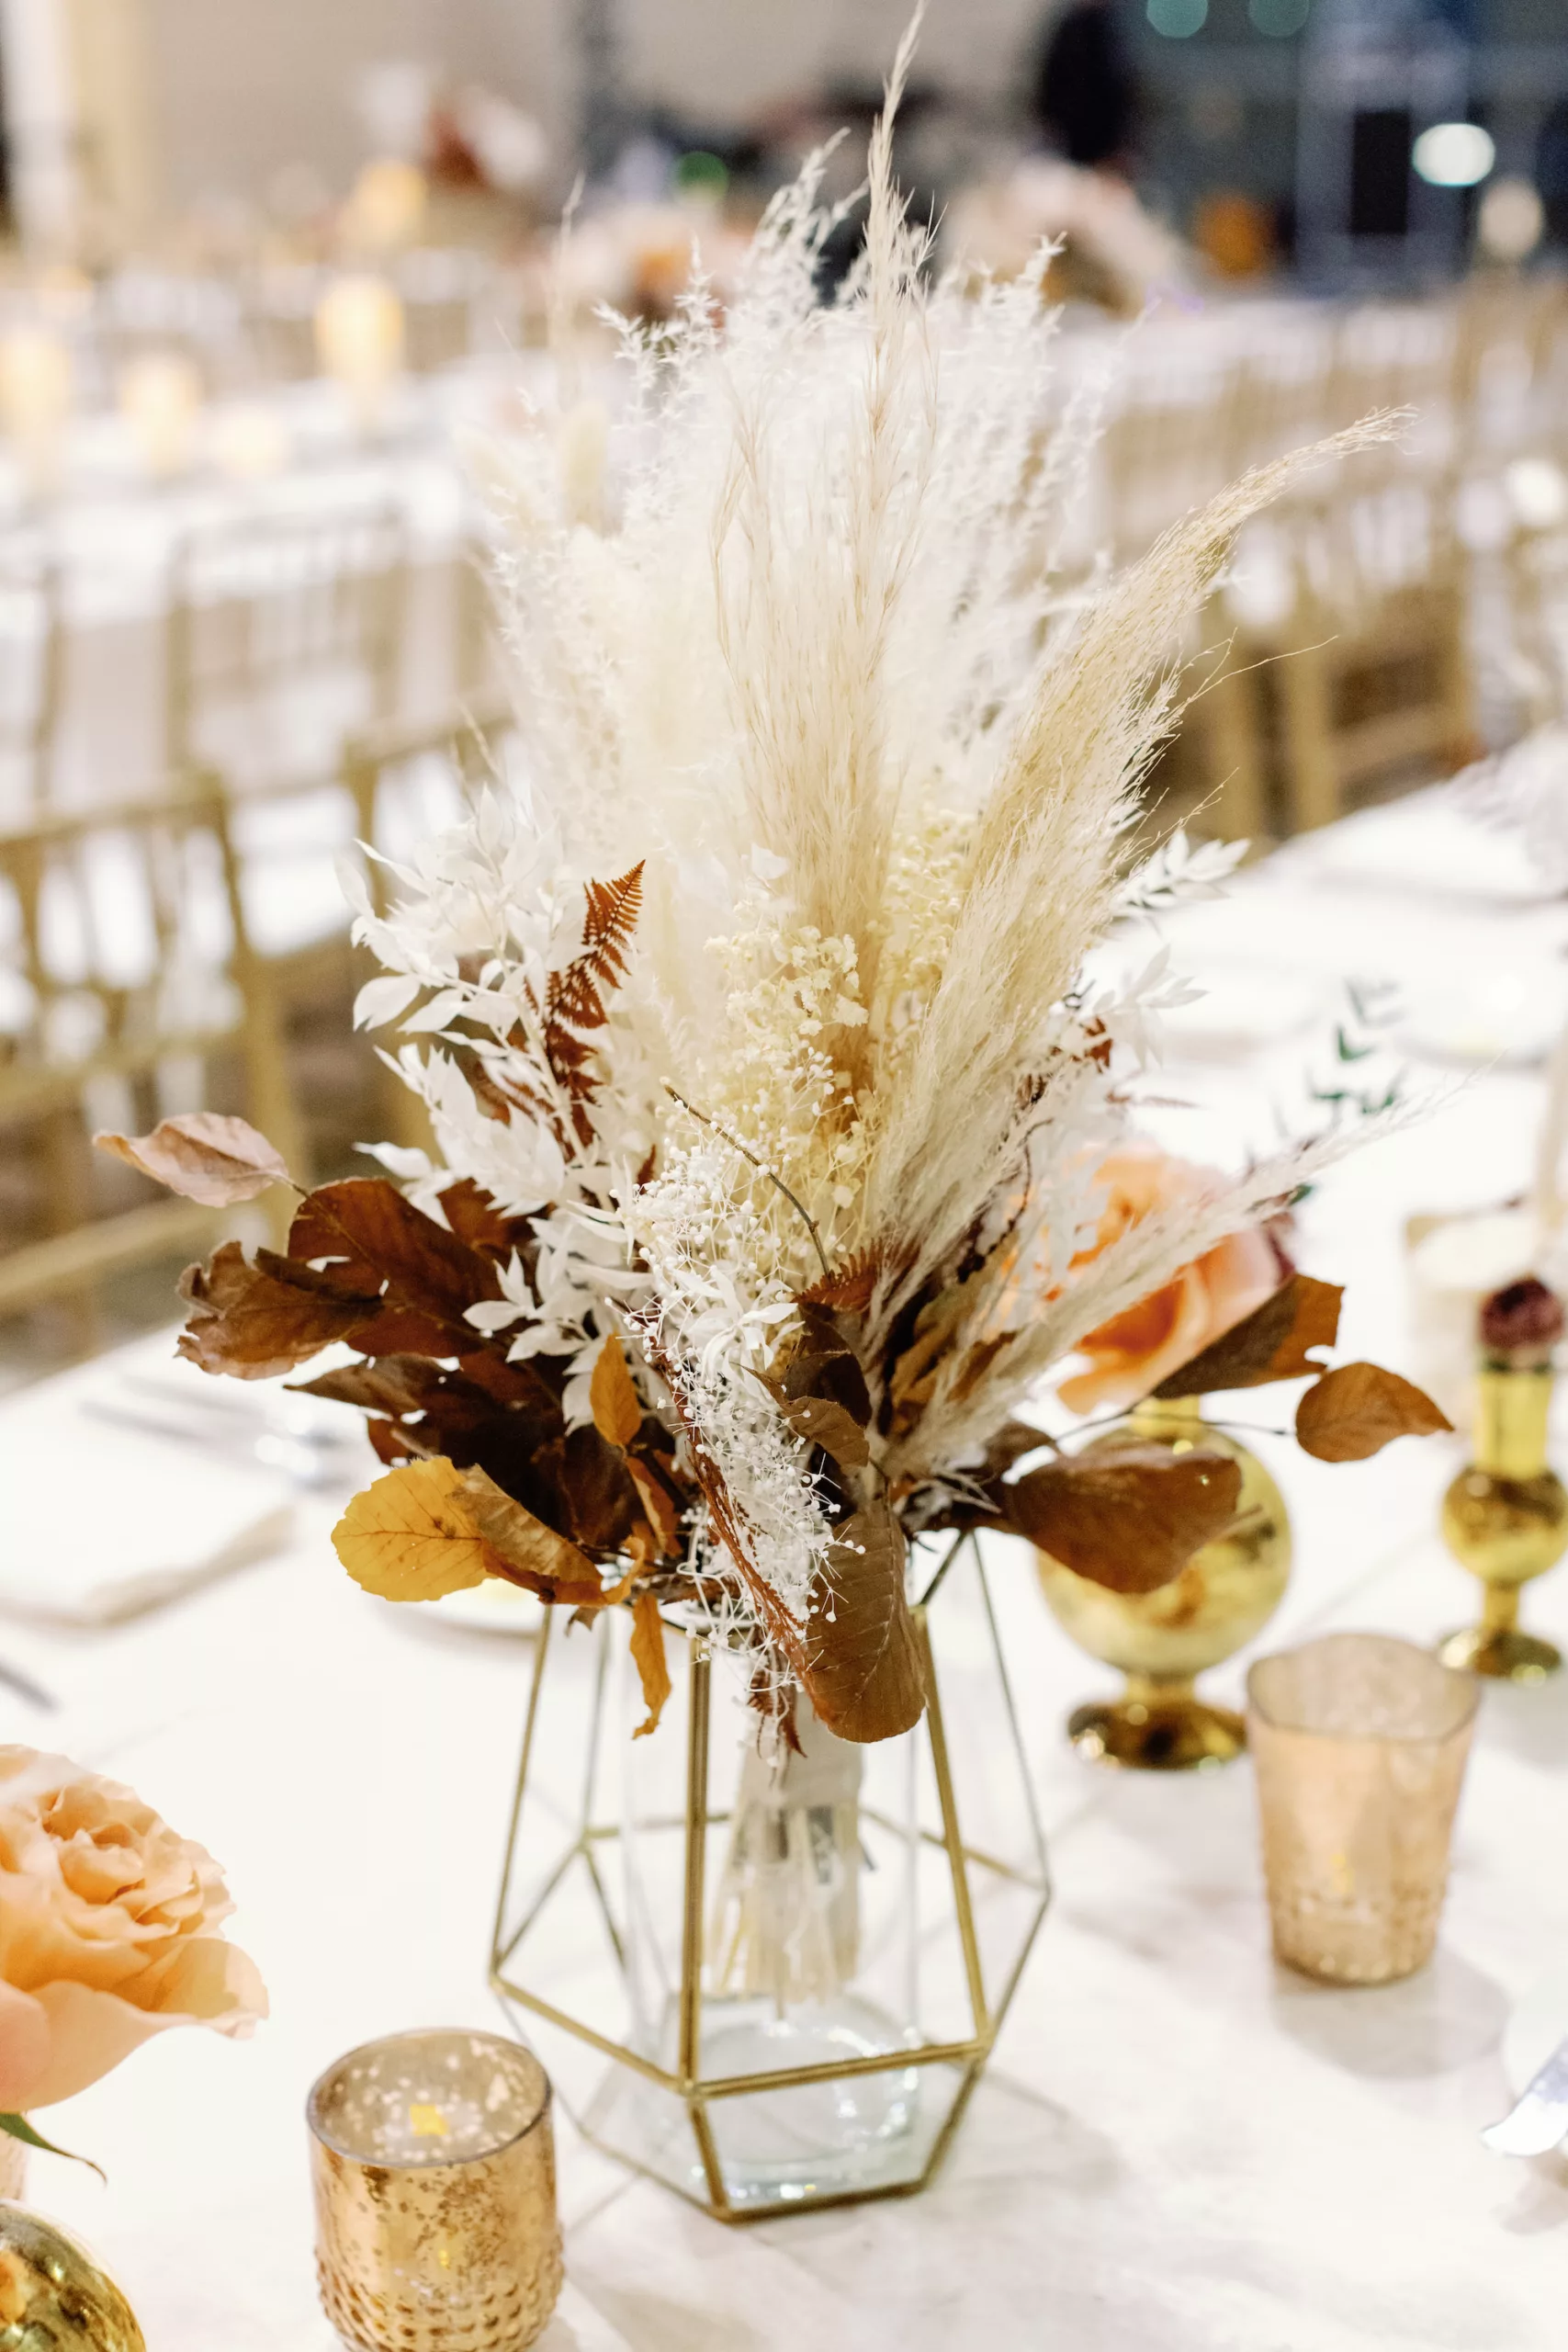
<point x="1085" y="91"/>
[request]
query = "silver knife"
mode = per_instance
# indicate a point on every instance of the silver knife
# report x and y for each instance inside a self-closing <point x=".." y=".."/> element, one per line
<point x="1539" y="2118"/>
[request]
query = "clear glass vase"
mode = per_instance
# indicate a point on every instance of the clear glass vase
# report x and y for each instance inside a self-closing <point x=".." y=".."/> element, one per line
<point x="793" y="1964"/>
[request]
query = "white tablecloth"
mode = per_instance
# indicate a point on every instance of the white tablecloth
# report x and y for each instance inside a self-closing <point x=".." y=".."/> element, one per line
<point x="1179" y="2147"/>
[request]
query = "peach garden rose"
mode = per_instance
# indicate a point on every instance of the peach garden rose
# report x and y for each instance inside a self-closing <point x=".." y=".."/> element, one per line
<point x="110" y="1931"/>
<point x="1136" y="1350"/>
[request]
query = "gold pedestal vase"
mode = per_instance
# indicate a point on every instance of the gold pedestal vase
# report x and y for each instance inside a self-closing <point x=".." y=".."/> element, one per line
<point x="1162" y="1640"/>
<point x="1506" y="1519"/>
<point x="770" y="1982"/>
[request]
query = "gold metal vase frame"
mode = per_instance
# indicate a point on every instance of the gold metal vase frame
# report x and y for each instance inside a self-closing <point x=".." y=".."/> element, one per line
<point x="1020" y="1886"/>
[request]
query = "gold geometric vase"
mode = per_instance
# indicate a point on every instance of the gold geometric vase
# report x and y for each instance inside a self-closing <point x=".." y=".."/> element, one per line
<point x="772" y="1992"/>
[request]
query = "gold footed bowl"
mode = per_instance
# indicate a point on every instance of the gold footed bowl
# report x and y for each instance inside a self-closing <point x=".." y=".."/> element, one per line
<point x="53" y="2296"/>
<point x="1162" y="1640"/>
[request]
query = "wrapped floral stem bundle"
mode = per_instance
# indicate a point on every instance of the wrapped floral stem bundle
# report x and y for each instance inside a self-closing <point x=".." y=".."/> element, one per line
<point x="770" y="1099"/>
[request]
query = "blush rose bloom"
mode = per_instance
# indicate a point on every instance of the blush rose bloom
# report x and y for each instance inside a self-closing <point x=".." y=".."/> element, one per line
<point x="108" y="1932"/>
<point x="1136" y="1350"/>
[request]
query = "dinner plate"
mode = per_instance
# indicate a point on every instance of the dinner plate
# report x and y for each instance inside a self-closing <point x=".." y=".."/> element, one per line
<point x="1510" y="1015"/>
<point x="493" y="1607"/>
<point x="1422" y="844"/>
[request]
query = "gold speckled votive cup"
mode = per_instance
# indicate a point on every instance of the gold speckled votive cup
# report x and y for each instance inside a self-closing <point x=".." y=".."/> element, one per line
<point x="433" y="2168"/>
<point x="1360" y="1743"/>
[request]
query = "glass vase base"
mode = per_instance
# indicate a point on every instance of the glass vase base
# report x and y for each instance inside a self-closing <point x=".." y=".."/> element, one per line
<point x="1502" y="1652"/>
<point x="1178" y="1735"/>
<point x="779" y="2147"/>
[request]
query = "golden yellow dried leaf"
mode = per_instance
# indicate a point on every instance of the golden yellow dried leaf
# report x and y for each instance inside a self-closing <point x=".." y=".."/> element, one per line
<point x="611" y="1396"/>
<point x="647" y="1656"/>
<point x="411" y="1536"/>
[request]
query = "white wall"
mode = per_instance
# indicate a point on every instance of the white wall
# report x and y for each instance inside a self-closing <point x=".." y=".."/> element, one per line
<point x="240" y="87"/>
<point x="729" y="57"/>
<point x="245" y="85"/>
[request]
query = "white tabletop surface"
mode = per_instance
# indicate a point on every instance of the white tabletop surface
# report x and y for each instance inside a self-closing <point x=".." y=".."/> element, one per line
<point x="1179" y="2147"/>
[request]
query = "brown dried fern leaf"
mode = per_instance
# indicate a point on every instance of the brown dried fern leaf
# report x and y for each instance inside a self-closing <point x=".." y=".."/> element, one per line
<point x="575" y="999"/>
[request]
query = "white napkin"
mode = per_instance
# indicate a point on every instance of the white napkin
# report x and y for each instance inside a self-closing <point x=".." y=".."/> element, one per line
<point x="106" y="1510"/>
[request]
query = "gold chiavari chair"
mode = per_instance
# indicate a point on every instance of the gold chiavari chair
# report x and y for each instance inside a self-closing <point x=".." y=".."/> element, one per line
<point x="439" y="290"/>
<point x="284" y="638"/>
<point x="1366" y="680"/>
<point x="31" y="668"/>
<point x="127" y="990"/>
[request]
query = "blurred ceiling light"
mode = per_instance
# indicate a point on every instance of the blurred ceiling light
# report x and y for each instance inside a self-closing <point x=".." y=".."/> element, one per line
<point x="1538" y="490"/>
<point x="1453" y="154"/>
<point x="1513" y="220"/>
<point x="1178" y="20"/>
<point x="1279" y="18"/>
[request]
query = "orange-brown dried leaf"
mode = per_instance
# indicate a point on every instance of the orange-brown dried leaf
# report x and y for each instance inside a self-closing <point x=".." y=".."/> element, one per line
<point x="847" y="1288"/>
<point x="861" y="1665"/>
<point x="822" y="1422"/>
<point x="524" y="1550"/>
<point x="612" y="1394"/>
<point x="251" y="1321"/>
<point x="1132" y="1519"/>
<point x="647" y="1656"/>
<point x="376" y="1240"/>
<point x="1271" y="1343"/>
<point x="1358" y="1408"/>
<point x="204" y="1156"/>
<point x="413" y="1536"/>
<point x="662" y="1511"/>
<point x="474" y="1218"/>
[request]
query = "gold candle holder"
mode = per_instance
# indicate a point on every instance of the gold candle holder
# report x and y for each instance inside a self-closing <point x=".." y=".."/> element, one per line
<point x="1360" y="1742"/>
<point x="433" y="2168"/>
<point x="1163" y="1640"/>
<point x="1505" y="1519"/>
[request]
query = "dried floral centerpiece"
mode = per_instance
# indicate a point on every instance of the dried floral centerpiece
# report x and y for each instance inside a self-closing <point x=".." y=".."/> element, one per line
<point x="770" y="1099"/>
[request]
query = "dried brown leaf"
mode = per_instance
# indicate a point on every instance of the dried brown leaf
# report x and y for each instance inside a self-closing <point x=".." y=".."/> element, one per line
<point x="861" y="1666"/>
<point x="204" y="1156"/>
<point x="596" y="1498"/>
<point x="1358" y="1408"/>
<point x="1129" y="1519"/>
<point x="662" y="1511"/>
<point x="252" y="1320"/>
<point x="846" y="1287"/>
<point x="822" y="1422"/>
<point x="647" y="1656"/>
<point x="474" y="1218"/>
<point x="612" y="1394"/>
<point x="524" y="1550"/>
<point x="825" y="1364"/>
<point x="1271" y="1343"/>
<point x="374" y="1240"/>
<point x="412" y="1536"/>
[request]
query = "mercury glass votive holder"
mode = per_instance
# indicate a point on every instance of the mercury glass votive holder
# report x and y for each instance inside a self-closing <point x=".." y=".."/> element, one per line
<point x="1360" y="1743"/>
<point x="433" y="2163"/>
